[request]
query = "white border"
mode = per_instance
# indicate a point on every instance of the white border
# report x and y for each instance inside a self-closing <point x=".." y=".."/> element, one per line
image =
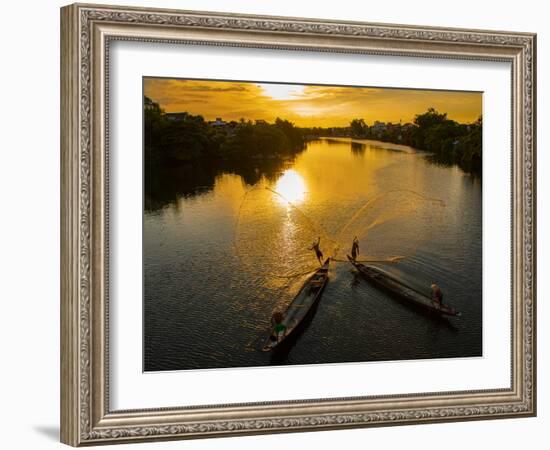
<point x="132" y="389"/>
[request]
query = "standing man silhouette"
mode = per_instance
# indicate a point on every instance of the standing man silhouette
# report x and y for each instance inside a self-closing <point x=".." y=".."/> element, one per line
<point x="355" y="248"/>
<point x="318" y="252"/>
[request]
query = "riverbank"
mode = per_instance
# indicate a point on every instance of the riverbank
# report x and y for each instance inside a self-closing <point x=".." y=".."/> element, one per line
<point x="373" y="142"/>
<point x="449" y="142"/>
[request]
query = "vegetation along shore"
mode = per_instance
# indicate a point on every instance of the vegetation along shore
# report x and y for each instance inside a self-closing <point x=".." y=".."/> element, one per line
<point x="183" y="138"/>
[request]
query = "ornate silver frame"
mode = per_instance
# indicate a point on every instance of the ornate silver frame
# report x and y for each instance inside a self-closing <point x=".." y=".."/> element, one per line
<point x="86" y="31"/>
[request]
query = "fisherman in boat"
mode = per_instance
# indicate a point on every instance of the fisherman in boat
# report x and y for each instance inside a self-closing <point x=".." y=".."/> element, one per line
<point x="437" y="294"/>
<point x="278" y="327"/>
<point x="318" y="252"/>
<point x="355" y="248"/>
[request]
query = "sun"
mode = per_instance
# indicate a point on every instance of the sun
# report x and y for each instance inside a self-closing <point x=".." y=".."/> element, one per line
<point x="291" y="188"/>
<point x="282" y="91"/>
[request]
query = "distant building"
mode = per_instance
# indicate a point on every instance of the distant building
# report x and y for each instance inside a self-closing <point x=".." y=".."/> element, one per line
<point x="378" y="127"/>
<point x="177" y="116"/>
<point x="218" y="122"/>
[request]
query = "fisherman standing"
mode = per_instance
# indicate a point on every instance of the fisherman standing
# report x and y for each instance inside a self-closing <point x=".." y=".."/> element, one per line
<point x="355" y="248"/>
<point x="318" y="252"/>
<point x="437" y="294"/>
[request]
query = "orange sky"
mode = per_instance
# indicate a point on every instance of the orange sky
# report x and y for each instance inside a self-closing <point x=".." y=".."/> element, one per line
<point x="306" y="106"/>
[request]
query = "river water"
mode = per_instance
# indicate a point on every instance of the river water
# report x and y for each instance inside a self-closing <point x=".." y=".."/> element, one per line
<point x="224" y="247"/>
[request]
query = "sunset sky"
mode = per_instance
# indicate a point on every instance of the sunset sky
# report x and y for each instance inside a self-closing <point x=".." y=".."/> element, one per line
<point x="306" y="106"/>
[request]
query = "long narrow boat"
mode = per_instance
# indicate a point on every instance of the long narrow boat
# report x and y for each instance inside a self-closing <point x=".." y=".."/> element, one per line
<point x="395" y="287"/>
<point x="299" y="309"/>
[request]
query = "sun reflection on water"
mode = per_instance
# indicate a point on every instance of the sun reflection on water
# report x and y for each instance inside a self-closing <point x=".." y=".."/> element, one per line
<point x="291" y="188"/>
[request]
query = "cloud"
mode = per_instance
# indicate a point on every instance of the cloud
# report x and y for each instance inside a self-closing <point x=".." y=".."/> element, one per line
<point x="309" y="105"/>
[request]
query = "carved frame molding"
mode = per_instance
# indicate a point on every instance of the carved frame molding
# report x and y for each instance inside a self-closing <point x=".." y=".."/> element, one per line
<point x="86" y="32"/>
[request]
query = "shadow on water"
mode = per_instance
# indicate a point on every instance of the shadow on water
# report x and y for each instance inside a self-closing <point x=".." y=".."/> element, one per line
<point x="358" y="149"/>
<point x="473" y="168"/>
<point x="355" y="280"/>
<point x="165" y="185"/>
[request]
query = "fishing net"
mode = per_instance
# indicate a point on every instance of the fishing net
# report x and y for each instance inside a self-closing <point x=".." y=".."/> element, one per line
<point x="391" y="226"/>
<point x="274" y="236"/>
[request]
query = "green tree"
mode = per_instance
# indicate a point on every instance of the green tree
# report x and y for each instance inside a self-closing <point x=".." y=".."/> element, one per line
<point x="154" y="124"/>
<point x="470" y="147"/>
<point x="358" y="128"/>
<point x="294" y="135"/>
<point x="424" y="123"/>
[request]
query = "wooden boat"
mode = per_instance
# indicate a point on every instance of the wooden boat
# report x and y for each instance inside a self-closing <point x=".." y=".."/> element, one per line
<point x="395" y="287"/>
<point x="299" y="309"/>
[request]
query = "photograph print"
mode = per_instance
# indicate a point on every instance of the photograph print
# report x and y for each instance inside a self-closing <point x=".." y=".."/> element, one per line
<point x="292" y="224"/>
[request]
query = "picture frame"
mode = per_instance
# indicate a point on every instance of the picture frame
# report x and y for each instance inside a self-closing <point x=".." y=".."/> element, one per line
<point x="87" y="31"/>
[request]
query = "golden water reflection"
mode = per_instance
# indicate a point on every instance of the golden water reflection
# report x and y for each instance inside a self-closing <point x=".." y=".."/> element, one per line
<point x="290" y="188"/>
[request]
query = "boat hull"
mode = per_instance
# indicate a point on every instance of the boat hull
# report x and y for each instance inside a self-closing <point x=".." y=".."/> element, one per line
<point x="397" y="289"/>
<point x="301" y="309"/>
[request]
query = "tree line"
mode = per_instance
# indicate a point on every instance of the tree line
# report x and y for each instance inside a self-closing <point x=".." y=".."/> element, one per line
<point x="449" y="142"/>
<point x="189" y="138"/>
